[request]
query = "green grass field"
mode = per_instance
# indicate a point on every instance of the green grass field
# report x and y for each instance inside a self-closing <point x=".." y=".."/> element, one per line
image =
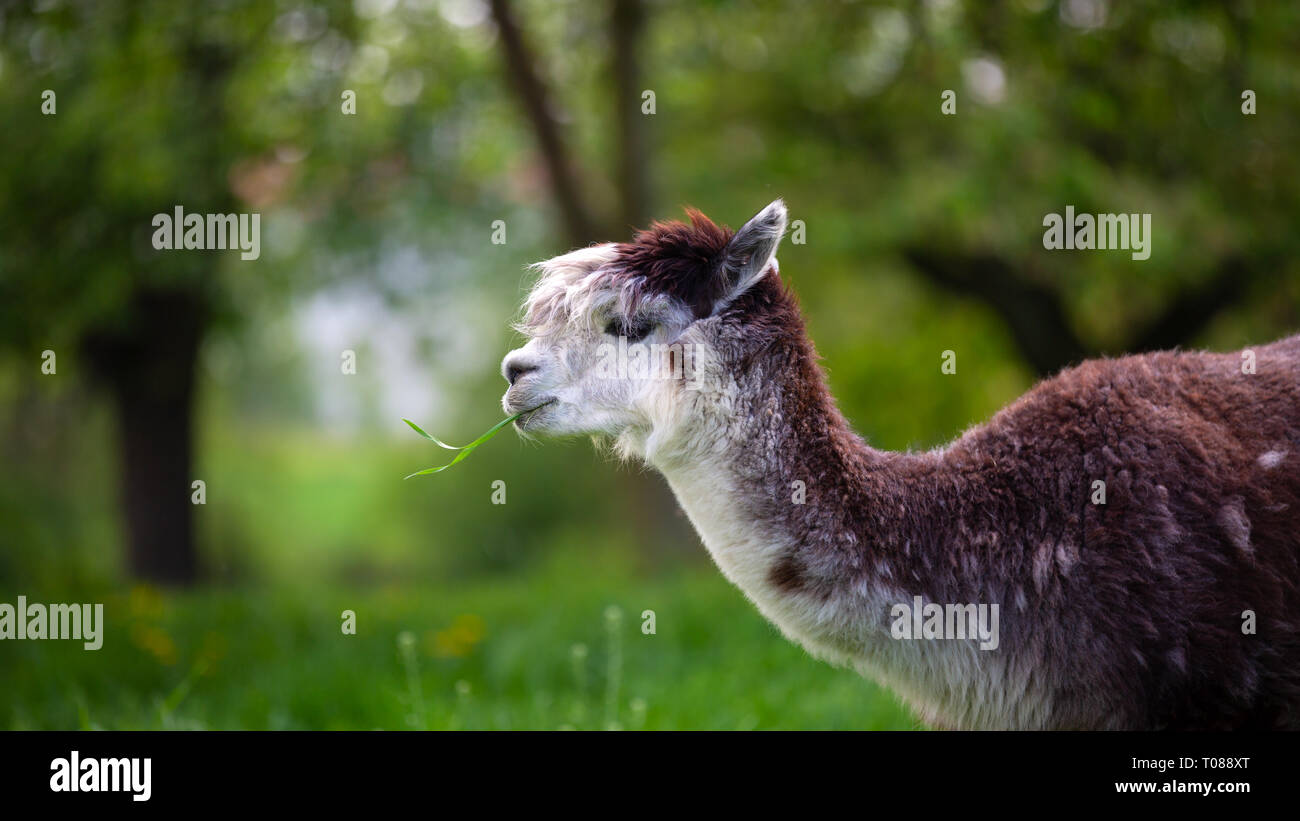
<point x="561" y="647"/>
<point x="468" y="614"/>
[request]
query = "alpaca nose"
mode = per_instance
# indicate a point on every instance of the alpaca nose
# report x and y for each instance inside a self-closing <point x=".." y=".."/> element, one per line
<point x="514" y="367"/>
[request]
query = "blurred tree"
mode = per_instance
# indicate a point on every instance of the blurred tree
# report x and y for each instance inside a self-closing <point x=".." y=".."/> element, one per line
<point x="626" y="31"/>
<point x="535" y="97"/>
<point x="572" y="193"/>
<point x="143" y="116"/>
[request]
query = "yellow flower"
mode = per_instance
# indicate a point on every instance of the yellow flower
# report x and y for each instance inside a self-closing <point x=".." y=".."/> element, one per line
<point x="145" y="602"/>
<point x="458" y="640"/>
<point x="155" y="642"/>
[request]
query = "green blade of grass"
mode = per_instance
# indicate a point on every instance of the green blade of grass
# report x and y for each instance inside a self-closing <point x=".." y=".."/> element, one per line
<point x="432" y="439"/>
<point x="465" y="450"/>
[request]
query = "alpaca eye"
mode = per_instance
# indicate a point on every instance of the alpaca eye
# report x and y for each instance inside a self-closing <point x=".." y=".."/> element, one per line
<point x="635" y="331"/>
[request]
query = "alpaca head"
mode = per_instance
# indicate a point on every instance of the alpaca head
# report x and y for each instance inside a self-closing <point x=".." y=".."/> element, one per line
<point x="623" y="335"/>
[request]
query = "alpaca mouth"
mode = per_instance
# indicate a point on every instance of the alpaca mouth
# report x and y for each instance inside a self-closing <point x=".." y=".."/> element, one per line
<point x="524" y="416"/>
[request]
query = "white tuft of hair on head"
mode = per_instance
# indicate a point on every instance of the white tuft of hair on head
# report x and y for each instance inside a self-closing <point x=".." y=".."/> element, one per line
<point x="570" y="289"/>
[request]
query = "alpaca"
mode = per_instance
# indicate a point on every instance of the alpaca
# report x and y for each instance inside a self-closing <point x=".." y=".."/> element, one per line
<point x="1172" y="605"/>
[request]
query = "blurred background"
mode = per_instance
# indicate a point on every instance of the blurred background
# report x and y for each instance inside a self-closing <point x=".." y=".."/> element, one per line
<point x="569" y="122"/>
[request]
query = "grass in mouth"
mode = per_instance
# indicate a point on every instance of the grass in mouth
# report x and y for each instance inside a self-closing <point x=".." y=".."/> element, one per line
<point x="465" y="450"/>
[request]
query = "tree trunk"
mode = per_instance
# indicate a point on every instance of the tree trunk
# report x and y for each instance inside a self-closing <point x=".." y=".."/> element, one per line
<point x="149" y="370"/>
<point x="534" y="96"/>
<point x="627" y="20"/>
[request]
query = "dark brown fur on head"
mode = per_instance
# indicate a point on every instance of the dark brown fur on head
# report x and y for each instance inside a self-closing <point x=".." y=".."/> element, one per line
<point x="680" y="260"/>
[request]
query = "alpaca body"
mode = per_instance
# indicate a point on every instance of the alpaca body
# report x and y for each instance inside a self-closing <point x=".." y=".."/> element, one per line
<point x="1126" y="614"/>
<point x="1173" y="604"/>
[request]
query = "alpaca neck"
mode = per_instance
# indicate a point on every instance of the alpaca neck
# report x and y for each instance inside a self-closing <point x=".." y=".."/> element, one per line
<point x="785" y="497"/>
<point x="826" y="535"/>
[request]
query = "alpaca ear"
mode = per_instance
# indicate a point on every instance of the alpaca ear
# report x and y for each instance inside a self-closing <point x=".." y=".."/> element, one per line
<point x="751" y="251"/>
